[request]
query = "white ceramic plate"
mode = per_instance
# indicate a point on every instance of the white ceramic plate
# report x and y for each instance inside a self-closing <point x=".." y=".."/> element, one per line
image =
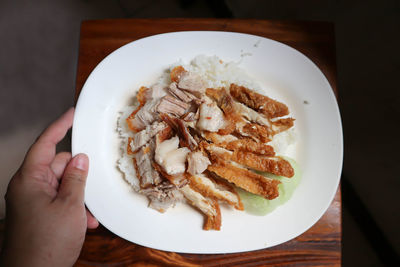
<point x="284" y="74"/>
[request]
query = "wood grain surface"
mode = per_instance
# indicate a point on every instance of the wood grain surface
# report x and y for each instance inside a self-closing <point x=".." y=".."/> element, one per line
<point x="320" y="245"/>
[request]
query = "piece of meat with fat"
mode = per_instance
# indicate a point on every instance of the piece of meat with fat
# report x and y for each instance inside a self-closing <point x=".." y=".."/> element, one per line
<point x="192" y="82"/>
<point x="231" y="142"/>
<point x="225" y="102"/>
<point x="208" y="207"/>
<point x="142" y="161"/>
<point x="170" y="157"/>
<point x="172" y="105"/>
<point x="176" y="73"/>
<point x="197" y="162"/>
<point x="208" y="187"/>
<point x="144" y="136"/>
<point x="211" y="117"/>
<point x="162" y="196"/>
<point x="180" y="127"/>
<point x="143" y="116"/>
<point x="261" y="103"/>
<point x="180" y="94"/>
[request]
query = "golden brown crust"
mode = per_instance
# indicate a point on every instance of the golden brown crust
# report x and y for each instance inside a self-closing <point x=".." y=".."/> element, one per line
<point x="225" y="103"/>
<point x="282" y="125"/>
<point x="176" y="73"/>
<point x="249" y="145"/>
<point x="213" y="222"/>
<point x="207" y="192"/>
<point x="258" y="132"/>
<point x="263" y="104"/>
<point x="243" y="178"/>
<point x="275" y="165"/>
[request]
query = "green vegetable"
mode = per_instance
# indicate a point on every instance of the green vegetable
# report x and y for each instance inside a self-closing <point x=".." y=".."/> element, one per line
<point x="258" y="205"/>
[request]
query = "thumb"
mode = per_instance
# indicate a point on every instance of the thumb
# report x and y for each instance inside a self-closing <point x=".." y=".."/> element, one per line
<point x="72" y="187"/>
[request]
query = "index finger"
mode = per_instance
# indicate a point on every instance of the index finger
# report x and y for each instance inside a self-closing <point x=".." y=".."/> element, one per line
<point x="43" y="151"/>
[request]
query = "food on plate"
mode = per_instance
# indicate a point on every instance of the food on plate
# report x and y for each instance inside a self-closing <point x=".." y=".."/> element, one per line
<point x="204" y="136"/>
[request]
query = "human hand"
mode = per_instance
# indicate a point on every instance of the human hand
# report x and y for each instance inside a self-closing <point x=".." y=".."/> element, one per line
<point x="46" y="219"/>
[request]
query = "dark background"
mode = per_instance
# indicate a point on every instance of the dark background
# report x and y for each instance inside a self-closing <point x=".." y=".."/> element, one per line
<point x="38" y="59"/>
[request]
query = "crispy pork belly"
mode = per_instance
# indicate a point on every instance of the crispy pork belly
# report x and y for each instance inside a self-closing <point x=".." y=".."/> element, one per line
<point x="225" y="102"/>
<point x="192" y="83"/>
<point x="211" y="117"/>
<point x="172" y="105"/>
<point x="231" y="142"/>
<point x="170" y="157"/>
<point x="179" y="126"/>
<point x="162" y="196"/>
<point x="225" y="165"/>
<point x="209" y="208"/>
<point x="257" y="132"/>
<point x="209" y="188"/>
<point x="143" y="164"/>
<point x="197" y="162"/>
<point x="145" y="135"/>
<point x="252" y="115"/>
<point x="243" y="178"/>
<point x="275" y="165"/>
<point x="282" y="125"/>
<point x="263" y="104"/>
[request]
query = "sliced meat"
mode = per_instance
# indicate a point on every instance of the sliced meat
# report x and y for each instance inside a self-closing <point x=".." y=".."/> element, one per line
<point x="282" y="125"/>
<point x="257" y="132"/>
<point x="143" y="116"/>
<point x="248" y="145"/>
<point x="226" y="103"/>
<point x="211" y="118"/>
<point x="162" y="196"/>
<point x="143" y="164"/>
<point x="170" y="157"/>
<point x="275" y="165"/>
<point x="243" y="178"/>
<point x="197" y="162"/>
<point x="252" y="115"/>
<point x="263" y="104"/>
<point x="209" y="208"/>
<point x="223" y="164"/>
<point x="144" y="136"/>
<point x="179" y="126"/>
<point x="171" y="105"/>
<point x="192" y="82"/>
<point x="157" y="91"/>
<point x="211" y="189"/>
<point x="178" y="93"/>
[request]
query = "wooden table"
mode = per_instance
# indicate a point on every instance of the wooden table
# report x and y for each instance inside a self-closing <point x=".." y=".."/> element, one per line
<point x="320" y="245"/>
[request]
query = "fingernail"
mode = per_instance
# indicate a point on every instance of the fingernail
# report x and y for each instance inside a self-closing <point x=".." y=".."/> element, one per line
<point x="80" y="161"/>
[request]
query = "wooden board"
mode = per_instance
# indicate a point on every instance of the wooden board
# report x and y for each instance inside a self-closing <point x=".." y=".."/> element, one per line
<point x="320" y="245"/>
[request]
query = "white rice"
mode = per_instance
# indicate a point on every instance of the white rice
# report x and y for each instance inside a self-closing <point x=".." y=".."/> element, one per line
<point x="215" y="73"/>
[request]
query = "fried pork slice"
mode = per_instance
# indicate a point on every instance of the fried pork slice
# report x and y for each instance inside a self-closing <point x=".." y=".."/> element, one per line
<point x="231" y="142"/>
<point x="282" y="125"/>
<point x="170" y="157"/>
<point x="192" y="82"/>
<point x="209" y="208"/>
<point x="211" y="117"/>
<point x="225" y="102"/>
<point x="271" y="164"/>
<point x="208" y="187"/>
<point x="197" y="162"/>
<point x="144" y="136"/>
<point x="252" y="115"/>
<point x="263" y="104"/>
<point x="243" y="178"/>
<point x="162" y="196"/>
<point x="172" y="105"/>
<point x="256" y="132"/>
<point x="142" y="161"/>
<point x="275" y="165"/>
